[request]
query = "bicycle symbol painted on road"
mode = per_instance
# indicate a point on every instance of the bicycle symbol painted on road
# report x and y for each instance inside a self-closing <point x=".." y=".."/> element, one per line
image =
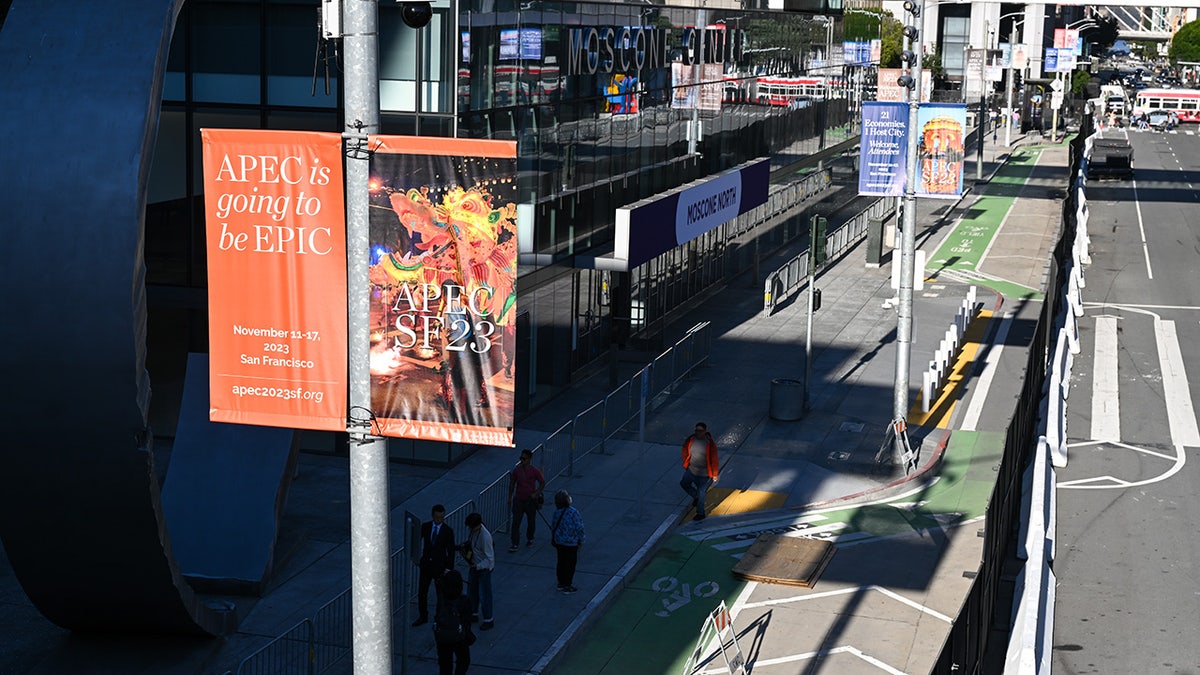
<point x="680" y="593"/>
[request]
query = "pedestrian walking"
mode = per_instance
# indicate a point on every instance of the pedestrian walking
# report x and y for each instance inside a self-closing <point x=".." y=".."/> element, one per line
<point x="566" y="533"/>
<point x="525" y="485"/>
<point x="437" y="558"/>
<point x="452" y="626"/>
<point x="700" y="467"/>
<point x="483" y="561"/>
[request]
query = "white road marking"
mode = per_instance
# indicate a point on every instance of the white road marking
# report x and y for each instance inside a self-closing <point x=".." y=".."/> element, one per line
<point x="979" y="395"/>
<point x="1106" y="405"/>
<point x="745" y="543"/>
<point x="1177" y="463"/>
<point x="1180" y="415"/>
<point x="1137" y="205"/>
<point x="845" y="649"/>
<point x="845" y="591"/>
<point x="1137" y="307"/>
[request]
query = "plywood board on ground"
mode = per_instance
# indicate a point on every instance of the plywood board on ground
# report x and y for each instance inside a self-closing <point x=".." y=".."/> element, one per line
<point x="790" y="561"/>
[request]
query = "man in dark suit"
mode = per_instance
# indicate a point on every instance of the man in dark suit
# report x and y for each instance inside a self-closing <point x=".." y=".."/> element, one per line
<point x="437" y="558"/>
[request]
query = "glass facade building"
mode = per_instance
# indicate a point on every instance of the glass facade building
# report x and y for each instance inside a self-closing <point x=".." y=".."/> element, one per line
<point x="609" y="103"/>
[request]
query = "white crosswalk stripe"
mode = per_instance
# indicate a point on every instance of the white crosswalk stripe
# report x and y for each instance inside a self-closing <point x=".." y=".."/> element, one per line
<point x="1180" y="412"/>
<point x="1130" y="381"/>
<point x="1106" y="401"/>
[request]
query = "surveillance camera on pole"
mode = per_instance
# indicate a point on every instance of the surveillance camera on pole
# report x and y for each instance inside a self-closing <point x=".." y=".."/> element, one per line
<point x="415" y="14"/>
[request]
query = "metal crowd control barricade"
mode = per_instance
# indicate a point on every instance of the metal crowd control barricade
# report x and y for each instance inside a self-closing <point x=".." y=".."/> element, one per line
<point x="321" y="643"/>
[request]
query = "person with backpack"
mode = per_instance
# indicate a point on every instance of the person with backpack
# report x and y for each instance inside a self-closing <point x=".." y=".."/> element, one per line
<point x="567" y="536"/>
<point x="452" y="626"/>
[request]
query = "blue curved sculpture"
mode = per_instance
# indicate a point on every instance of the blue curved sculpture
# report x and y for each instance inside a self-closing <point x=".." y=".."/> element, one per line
<point x="80" y="517"/>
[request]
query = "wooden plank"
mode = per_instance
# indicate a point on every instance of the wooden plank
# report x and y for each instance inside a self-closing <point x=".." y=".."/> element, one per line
<point x="789" y="561"/>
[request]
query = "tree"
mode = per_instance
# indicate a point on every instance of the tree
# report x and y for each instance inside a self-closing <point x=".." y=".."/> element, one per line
<point x="1103" y="36"/>
<point x="1079" y="82"/>
<point x="931" y="62"/>
<point x="862" y="24"/>
<point x="891" y="42"/>
<point x="1185" y="46"/>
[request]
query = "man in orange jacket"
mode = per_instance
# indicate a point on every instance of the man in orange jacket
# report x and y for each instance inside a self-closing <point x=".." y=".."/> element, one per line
<point x="700" y="467"/>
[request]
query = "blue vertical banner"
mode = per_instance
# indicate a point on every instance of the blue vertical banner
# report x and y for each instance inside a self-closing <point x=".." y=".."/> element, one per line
<point x="882" y="168"/>
<point x="940" y="149"/>
<point x="1050" y="61"/>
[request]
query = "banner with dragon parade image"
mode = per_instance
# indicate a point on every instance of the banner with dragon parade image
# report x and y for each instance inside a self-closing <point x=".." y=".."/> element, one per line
<point x="443" y="272"/>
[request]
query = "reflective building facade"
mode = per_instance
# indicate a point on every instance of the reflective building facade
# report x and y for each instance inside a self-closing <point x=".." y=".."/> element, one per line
<point x="610" y="103"/>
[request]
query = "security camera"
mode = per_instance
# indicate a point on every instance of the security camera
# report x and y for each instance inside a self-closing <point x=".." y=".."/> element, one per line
<point x="415" y="14"/>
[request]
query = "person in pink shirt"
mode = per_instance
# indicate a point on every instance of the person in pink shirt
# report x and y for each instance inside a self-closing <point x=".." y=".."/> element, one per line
<point x="525" y="485"/>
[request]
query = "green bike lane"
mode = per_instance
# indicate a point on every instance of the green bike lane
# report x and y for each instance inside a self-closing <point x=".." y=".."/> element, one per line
<point x="653" y="623"/>
<point x="963" y="251"/>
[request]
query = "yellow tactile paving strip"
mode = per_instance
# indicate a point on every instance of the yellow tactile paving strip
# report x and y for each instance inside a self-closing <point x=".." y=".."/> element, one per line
<point x="723" y="501"/>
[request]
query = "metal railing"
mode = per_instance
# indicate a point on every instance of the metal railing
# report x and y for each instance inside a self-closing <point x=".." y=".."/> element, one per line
<point x="316" y="645"/>
<point x="792" y="276"/>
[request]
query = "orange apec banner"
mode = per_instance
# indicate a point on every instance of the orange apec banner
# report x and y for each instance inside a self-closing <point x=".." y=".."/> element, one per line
<point x="276" y="233"/>
<point x="443" y="275"/>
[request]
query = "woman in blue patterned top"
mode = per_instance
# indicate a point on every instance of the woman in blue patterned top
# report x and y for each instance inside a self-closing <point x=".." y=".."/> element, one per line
<point x="567" y="536"/>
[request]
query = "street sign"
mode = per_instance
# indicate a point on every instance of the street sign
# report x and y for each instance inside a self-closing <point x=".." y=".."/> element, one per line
<point x="1056" y="85"/>
<point x="1056" y="100"/>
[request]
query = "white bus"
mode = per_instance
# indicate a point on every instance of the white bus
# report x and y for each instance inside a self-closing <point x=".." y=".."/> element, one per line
<point x="1185" y="103"/>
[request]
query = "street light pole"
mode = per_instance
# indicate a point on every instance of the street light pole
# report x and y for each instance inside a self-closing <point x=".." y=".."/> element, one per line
<point x="370" y="549"/>
<point x="1009" y="95"/>
<point x="908" y="243"/>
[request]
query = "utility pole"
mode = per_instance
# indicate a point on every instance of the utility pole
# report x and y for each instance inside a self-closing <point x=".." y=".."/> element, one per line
<point x="370" y="549"/>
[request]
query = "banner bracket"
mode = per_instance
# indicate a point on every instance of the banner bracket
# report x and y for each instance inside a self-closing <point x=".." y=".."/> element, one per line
<point x="362" y="426"/>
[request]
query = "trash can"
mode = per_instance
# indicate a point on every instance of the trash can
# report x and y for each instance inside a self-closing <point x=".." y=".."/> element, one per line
<point x="787" y="399"/>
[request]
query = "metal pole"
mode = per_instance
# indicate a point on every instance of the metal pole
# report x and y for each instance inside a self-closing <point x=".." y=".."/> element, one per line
<point x="1054" y="110"/>
<point x="697" y="68"/>
<point x="908" y="244"/>
<point x="370" y="551"/>
<point x="641" y="512"/>
<point x="981" y="127"/>
<point x="1014" y="40"/>
<point x="812" y="282"/>
<point x="1008" y="82"/>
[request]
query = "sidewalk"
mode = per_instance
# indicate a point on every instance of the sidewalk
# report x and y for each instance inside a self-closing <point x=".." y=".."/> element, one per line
<point x="778" y="476"/>
<point x="641" y="554"/>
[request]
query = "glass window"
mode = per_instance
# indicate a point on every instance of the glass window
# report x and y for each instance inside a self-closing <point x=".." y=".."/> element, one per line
<point x="175" y="79"/>
<point x="168" y="172"/>
<point x="402" y="49"/>
<point x="226" y="53"/>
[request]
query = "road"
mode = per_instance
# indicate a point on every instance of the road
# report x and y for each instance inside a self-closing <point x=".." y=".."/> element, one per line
<point x="1128" y="554"/>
